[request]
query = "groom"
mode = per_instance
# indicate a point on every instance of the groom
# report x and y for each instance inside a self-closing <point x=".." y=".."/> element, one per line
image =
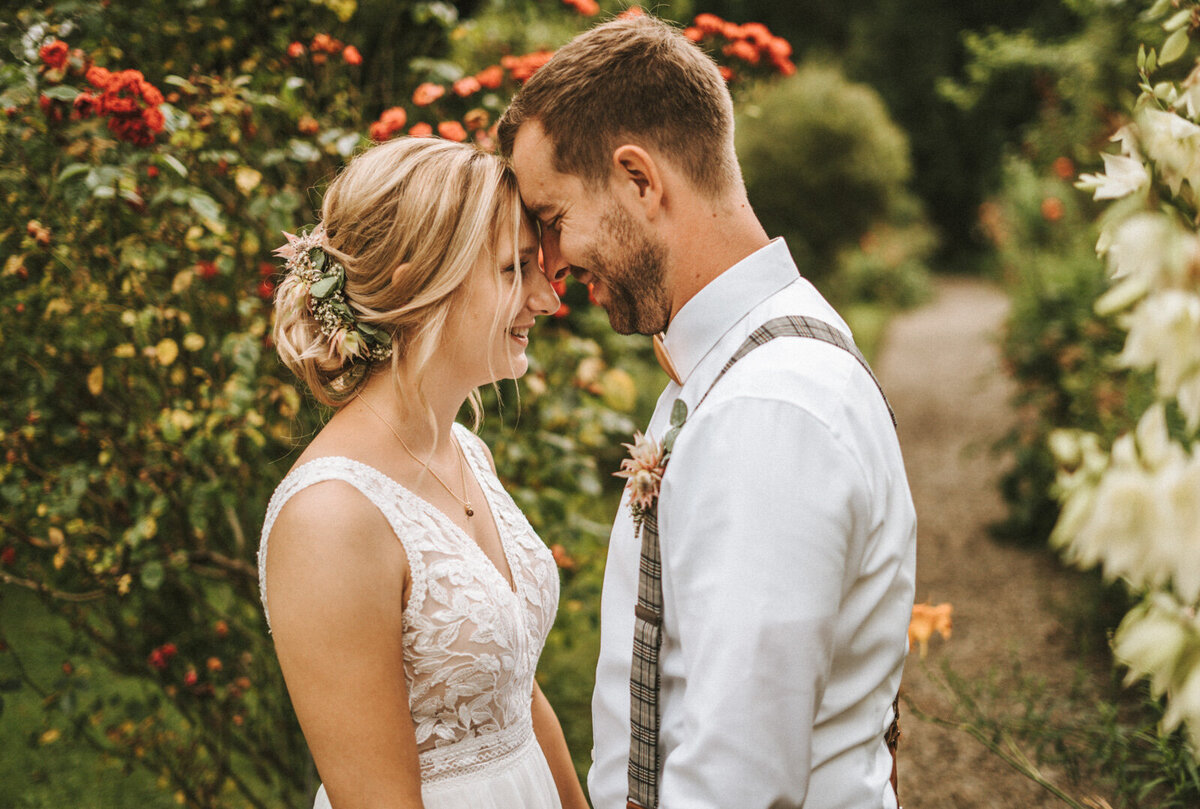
<point x="784" y="521"/>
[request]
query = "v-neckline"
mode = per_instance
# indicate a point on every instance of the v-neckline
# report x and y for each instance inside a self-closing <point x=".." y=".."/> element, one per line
<point x="509" y="582"/>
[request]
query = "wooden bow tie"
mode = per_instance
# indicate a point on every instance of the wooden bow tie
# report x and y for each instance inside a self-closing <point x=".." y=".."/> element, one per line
<point x="664" y="359"/>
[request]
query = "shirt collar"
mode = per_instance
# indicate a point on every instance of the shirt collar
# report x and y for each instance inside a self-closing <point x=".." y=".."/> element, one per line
<point x="716" y="308"/>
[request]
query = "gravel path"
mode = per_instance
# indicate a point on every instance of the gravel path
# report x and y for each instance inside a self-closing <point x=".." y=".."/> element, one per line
<point x="939" y="366"/>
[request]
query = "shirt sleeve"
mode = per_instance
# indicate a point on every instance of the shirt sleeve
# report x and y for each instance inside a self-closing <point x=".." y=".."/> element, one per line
<point x="760" y="505"/>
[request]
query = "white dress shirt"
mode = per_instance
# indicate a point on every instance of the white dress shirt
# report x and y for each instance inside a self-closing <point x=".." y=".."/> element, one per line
<point x="788" y="542"/>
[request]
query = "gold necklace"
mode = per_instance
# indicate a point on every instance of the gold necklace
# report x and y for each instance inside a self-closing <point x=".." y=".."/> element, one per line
<point x="462" y="465"/>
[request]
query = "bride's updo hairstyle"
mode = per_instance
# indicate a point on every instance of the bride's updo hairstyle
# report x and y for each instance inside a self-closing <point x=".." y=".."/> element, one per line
<point x="425" y="206"/>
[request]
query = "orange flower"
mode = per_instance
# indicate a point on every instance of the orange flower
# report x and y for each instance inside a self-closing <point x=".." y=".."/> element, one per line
<point x="742" y="50"/>
<point x="927" y="619"/>
<point x="786" y="67"/>
<point x="452" y="130"/>
<point x="467" y="86"/>
<point x="631" y="12"/>
<point x="477" y="118"/>
<point x="757" y="33"/>
<point x="351" y="56"/>
<point x="779" y="48"/>
<point x="308" y="125"/>
<point x="427" y="93"/>
<point x="54" y="54"/>
<point x="1052" y="209"/>
<point x="326" y="43"/>
<point x="214" y="664"/>
<point x="295" y="50"/>
<point x="1064" y="169"/>
<point x="709" y="23"/>
<point x="421" y="130"/>
<point x="490" y="77"/>
<point x="694" y="34"/>
<point x="390" y="122"/>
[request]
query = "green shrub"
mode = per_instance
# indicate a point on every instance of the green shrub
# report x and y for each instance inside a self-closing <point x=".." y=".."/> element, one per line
<point x="823" y="162"/>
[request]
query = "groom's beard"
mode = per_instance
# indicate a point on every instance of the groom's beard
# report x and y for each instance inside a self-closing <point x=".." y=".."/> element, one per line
<point x="632" y="275"/>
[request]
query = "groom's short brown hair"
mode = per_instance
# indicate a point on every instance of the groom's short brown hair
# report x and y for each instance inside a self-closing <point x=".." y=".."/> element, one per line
<point x="635" y="78"/>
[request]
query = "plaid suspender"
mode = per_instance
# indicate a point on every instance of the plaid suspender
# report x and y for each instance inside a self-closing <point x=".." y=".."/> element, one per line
<point x="644" y="680"/>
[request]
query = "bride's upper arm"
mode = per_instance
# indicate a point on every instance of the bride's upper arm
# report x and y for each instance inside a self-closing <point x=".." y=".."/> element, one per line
<point x="336" y="576"/>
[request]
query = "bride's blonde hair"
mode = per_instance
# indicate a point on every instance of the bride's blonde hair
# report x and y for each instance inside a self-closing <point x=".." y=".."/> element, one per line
<point x="427" y="206"/>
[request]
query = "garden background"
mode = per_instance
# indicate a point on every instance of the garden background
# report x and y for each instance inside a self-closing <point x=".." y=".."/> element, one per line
<point x="150" y="155"/>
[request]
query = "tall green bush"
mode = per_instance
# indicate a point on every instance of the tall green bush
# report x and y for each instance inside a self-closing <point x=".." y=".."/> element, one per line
<point x="822" y="161"/>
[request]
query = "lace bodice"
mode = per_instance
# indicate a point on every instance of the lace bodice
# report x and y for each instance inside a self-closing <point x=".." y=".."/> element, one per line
<point x="471" y="643"/>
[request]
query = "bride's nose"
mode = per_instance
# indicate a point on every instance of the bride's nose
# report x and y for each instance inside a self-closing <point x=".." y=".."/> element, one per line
<point x="541" y="298"/>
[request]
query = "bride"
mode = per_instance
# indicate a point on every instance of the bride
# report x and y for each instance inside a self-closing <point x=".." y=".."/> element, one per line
<point x="408" y="597"/>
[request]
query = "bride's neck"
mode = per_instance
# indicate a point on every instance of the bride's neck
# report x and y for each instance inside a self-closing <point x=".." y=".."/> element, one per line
<point x="419" y="423"/>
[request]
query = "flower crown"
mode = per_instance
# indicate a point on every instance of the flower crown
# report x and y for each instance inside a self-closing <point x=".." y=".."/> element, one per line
<point x="317" y="280"/>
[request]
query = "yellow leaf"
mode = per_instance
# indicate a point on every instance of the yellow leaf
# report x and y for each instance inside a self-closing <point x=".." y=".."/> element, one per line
<point x="51" y="736"/>
<point x="60" y="558"/>
<point x="57" y="537"/>
<point x="247" y="179"/>
<point x="166" y="351"/>
<point x="193" y="341"/>
<point x="95" y="380"/>
<point x="183" y="279"/>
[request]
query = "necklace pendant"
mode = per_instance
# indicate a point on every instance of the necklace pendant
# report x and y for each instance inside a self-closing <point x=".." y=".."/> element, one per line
<point x="470" y="511"/>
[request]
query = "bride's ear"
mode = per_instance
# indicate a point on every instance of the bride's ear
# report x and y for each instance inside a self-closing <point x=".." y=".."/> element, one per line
<point x="398" y="273"/>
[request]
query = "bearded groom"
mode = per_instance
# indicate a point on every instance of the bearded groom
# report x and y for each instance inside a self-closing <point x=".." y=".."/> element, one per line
<point x="771" y="612"/>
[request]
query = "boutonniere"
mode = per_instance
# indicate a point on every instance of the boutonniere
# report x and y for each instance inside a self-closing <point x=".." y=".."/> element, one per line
<point x="644" y="468"/>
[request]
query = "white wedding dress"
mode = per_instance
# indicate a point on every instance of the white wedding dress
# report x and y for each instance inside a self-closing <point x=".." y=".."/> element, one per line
<point x="471" y="643"/>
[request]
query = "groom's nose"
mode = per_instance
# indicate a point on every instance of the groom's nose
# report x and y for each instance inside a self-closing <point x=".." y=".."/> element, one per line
<point x="554" y="266"/>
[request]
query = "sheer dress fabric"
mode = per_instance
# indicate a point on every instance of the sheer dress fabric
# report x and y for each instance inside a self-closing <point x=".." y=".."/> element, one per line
<point x="471" y="642"/>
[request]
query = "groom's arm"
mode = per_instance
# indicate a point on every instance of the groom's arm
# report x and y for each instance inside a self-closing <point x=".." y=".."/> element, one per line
<point x="759" y="505"/>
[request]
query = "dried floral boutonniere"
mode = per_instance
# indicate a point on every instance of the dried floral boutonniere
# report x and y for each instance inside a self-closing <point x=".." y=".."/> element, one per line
<point x="644" y="468"/>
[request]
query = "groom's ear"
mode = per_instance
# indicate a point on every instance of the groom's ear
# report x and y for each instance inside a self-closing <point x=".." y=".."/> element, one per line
<point x="638" y="179"/>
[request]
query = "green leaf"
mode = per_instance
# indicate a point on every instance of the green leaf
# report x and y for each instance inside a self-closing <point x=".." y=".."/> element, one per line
<point x="204" y="206"/>
<point x="73" y="170"/>
<point x="669" y="441"/>
<point x="1178" y="20"/>
<point x="323" y="287"/>
<point x="1174" y="47"/>
<point x="13" y="684"/>
<point x="679" y="413"/>
<point x="316" y="257"/>
<point x="61" y="93"/>
<point x="174" y="162"/>
<point x="153" y="575"/>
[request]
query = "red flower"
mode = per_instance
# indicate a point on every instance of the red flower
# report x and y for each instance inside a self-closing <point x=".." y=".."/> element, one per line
<point x="54" y="54"/>
<point x="694" y="34"/>
<point x="563" y="310"/>
<point x="326" y="43"/>
<point x="168" y="650"/>
<point x="206" y="269"/>
<point x="351" y="56"/>
<point x="98" y="77"/>
<point x="491" y="77"/>
<point x="157" y="660"/>
<point x="265" y="270"/>
<point x="427" y="93"/>
<point x="153" y="118"/>
<point x="452" y="130"/>
<point x="308" y="125"/>
<point x="191" y="678"/>
<point x="295" y="50"/>
<point x="221" y="627"/>
<point x="786" y="67"/>
<point x="265" y="289"/>
<point x="522" y="67"/>
<point x="467" y="86"/>
<point x="87" y="105"/>
<point x="631" y="12"/>
<point x="726" y="73"/>
<point x="151" y="171"/>
<point x="214" y="664"/>
<point x="588" y="8"/>
<point x="8" y="555"/>
<point x="421" y="130"/>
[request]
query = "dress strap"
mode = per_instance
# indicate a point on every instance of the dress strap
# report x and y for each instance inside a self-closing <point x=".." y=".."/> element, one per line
<point x="383" y="492"/>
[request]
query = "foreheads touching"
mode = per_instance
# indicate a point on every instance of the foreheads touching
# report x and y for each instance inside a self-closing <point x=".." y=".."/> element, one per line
<point x="638" y="80"/>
